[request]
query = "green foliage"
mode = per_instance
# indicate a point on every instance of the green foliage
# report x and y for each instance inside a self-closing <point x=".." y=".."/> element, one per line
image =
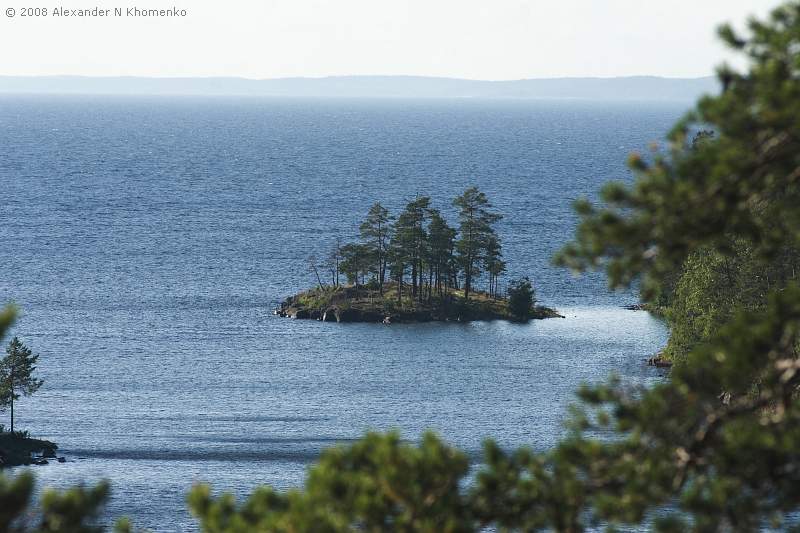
<point x="477" y="238"/>
<point x="521" y="299"/>
<point x="440" y="252"/>
<point x="713" y="225"/>
<point x="377" y="484"/>
<point x="15" y="495"/>
<point x="7" y="317"/>
<point x="72" y="511"/>
<point x="356" y="263"/>
<point x="731" y="185"/>
<point x="720" y="438"/>
<point x="420" y="243"/>
<point x="17" y="368"/>
<point x="375" y="232"/>
<point x="730" y="459"/>
<point x="16" y="375"/>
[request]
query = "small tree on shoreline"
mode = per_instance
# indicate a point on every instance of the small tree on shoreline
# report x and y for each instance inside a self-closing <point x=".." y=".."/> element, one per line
<point x="521" y="299"/>
<point x="16" y="375"/>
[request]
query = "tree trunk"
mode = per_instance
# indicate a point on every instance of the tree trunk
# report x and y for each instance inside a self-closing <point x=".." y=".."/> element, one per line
<point x="400" y="289"/>
<point x="11" y="392"/>
<point x="316" y="272"/>
<point x="430" y="283"/>
<point x="413" y="279"/>
<point x="381" y="267"/>
<point x="467" y="280"/>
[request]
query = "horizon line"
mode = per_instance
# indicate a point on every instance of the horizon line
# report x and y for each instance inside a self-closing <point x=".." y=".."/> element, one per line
<point x="340" y="76"/>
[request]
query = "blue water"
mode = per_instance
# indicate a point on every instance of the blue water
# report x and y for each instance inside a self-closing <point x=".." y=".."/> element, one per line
<point x="148" y="239"/>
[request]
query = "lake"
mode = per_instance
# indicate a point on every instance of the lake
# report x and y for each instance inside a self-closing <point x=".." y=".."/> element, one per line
<point x="147" y="241"/>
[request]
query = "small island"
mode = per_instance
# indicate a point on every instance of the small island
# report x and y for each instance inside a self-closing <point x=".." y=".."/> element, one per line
<point x="363" y="304"/>
<point x="417" y="268"/>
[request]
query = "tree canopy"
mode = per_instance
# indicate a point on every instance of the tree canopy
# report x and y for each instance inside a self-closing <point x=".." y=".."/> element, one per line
<point x="477" y="239"/>
<point x="420" y="246"/>
<point x="17" y="375"/>
<point x="521" y="298"/>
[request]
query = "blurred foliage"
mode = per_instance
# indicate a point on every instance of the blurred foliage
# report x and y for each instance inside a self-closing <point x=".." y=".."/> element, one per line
<point x="711" y="224"/>
<point x="75" y="510"/>
<point x="377" y="484"/>
<point x="710" y="287"/>
<point x="741" y="185"/>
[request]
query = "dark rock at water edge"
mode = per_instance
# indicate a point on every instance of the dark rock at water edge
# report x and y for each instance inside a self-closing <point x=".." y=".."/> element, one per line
<point x="659" y="362"/>
<point x="17" y="451"/>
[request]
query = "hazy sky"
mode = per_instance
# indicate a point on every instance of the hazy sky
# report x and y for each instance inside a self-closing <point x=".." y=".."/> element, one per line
<point x="488" y="39"/>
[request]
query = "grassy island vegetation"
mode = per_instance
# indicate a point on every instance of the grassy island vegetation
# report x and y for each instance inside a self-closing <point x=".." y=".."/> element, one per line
<point x="418" y="268"/>
<point x="367" y="304"/>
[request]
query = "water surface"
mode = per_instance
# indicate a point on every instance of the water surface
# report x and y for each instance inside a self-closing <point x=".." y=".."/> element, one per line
<point x="148" y="239"/>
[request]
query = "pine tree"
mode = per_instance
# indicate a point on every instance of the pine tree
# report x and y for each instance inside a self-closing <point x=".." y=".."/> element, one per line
<point x="415" y="238"/>
<point x="521" y="299"/>
<point x="441" y="239"/>
<point x="357" y="262"/>
<point x="401" y="247"/>
<point x="475" y="233"/>
<point x="494" y="264"/>
<point x="16" y="374"/>
<point x="375" y="232"/>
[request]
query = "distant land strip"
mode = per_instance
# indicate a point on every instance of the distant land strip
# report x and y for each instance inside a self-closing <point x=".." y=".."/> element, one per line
<point x="622" y="88"/>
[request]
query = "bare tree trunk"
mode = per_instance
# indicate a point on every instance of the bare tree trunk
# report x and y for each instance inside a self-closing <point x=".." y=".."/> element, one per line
<point x="400" y="288"/>
<point x="430" y="282"/>
<point x="413" y="278"/>
<point x="11" y="392"/>
<point x="316" y="272"/>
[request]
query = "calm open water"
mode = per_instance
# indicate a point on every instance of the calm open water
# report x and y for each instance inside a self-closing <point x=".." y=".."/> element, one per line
<point x="148" y="239"/>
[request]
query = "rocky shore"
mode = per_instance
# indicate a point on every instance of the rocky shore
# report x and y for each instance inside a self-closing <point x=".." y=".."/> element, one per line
<point x="16" y="450"/>
<point x="352" y="304"/>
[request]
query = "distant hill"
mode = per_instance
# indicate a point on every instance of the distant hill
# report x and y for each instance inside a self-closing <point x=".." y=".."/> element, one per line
<point x="626" y="88"/>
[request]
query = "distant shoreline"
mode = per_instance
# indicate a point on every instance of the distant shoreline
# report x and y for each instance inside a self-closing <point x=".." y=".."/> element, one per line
<point x="649" y="88"/>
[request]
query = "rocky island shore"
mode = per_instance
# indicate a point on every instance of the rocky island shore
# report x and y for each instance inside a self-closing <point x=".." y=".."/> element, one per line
<point x="363" y="304"/>
<point x="16" y="450"/>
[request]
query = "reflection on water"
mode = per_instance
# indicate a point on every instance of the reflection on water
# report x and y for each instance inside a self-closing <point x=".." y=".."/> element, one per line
<point x="263" y="417"/>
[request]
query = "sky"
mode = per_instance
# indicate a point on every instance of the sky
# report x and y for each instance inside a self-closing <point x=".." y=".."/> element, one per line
<point x="488" y="40"/>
